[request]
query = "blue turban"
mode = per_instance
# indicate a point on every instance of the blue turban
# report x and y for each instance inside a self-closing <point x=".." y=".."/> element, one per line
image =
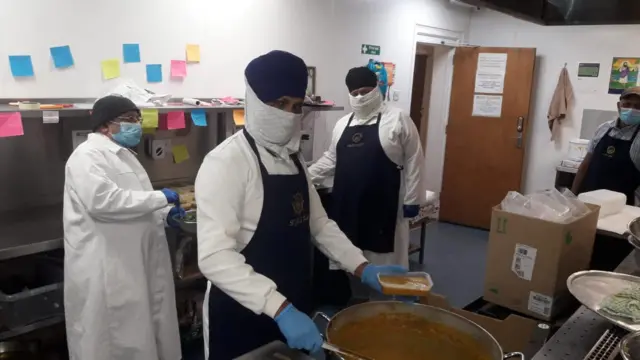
<point x="277" y="74"/>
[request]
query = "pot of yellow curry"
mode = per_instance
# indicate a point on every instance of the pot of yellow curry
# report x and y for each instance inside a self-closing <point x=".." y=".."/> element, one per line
<point x="391" y="330"/>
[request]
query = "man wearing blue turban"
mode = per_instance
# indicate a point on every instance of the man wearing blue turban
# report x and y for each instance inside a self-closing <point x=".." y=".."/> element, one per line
<point x="258" y="218"/>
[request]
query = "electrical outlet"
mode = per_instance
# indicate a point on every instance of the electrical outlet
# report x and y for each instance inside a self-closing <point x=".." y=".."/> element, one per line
<point x="395" y="95"/>
<point x="159" y="148"/>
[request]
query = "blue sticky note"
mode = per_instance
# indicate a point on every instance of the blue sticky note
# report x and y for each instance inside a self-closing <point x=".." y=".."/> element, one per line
<point x="131" y="53"/>
<point x="62" y="57"/>
<point x="154" y="73"/>
<point x="199" y="117"/>
<point x="21" y="65"/>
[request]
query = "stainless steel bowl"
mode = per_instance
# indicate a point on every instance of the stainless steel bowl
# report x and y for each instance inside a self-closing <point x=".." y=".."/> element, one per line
<point x="189" y="227"/>
<point x="630" y="346"/>
<point x="634" y="228"/>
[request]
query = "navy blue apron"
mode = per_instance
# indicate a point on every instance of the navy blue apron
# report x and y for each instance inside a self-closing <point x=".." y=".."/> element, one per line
<point x="281" y="250"/>
<point x="611" y="168"/>
<point x="366" y="188"/>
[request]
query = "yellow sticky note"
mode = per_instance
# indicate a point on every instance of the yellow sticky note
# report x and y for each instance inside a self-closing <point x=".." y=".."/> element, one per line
<point x="238" y="117"/>
<point x="193" y="53"/>
<point x="149" y="118"/>
<point x="148" y="130"/>
<point x="110" y="69"/>
<point x="180" y="153"/>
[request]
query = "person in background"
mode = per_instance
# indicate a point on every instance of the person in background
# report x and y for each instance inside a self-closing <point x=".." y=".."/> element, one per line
<point x="613" y="156"/>
<point x="376" y="160"/>
<point x="258" y="218"/>
<point x="613" y="163"/>
<point x="119" y="295"/>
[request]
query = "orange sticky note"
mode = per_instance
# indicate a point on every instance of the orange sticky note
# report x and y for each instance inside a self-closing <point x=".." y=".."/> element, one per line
<point x="238" y="117"/>
<point x="178" y="68"/>
<point x="11" y="124"/>
<point x="175" y="120"/>
<point x="193" y="53"/>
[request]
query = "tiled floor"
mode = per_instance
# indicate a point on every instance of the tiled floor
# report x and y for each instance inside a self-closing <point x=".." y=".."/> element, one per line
<point x="455" y="256"/>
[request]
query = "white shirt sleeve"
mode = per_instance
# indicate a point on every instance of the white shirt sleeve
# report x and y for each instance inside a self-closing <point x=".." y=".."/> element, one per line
<point x="220" y="194"/>
<point x="87" y="177"/>
<point x="413" y="161"/>
<point x="329" y="239"/>
<point x="325" y="167"/>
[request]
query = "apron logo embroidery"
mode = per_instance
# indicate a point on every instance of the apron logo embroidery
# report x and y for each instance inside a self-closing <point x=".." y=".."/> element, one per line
<point x="298" y="209"/>
<point x="356" y="140"/>
<point x="611" y="150"/>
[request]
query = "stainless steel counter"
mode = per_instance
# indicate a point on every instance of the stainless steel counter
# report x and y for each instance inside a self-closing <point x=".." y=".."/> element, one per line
<point x="30" y="232"/>
<point x="582" y="331"/>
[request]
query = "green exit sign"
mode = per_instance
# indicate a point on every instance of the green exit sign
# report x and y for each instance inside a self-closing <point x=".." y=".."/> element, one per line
<point x="370" y="49"/>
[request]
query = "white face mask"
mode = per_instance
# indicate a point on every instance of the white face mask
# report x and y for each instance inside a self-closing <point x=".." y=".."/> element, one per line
<point x="365" y="105"/>
<point x="272" y="126"/>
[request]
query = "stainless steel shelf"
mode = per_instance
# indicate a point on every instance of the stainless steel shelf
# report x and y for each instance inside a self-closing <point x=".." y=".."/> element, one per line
<point x="31" y="327"/>
<point x="582" y="331"/>
<point x="30" y="231"/>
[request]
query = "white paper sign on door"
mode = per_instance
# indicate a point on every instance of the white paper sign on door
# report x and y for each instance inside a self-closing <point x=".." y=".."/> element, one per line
<point x="487" y="105"/>
<point x="490" y="73"/>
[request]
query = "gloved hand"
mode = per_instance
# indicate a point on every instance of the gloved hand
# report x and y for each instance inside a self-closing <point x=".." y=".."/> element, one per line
<point x="172" y="196"/>
<point x="410" y="211"/>
<point x="176" y="210"/>
<point x="299" y="330"/>
<point x="370" y="274"/>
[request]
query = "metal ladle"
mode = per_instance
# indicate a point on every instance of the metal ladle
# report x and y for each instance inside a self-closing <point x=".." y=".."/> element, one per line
<point x="345" y="352"/>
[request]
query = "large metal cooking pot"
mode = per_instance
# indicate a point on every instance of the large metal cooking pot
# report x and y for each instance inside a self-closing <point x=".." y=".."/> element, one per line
<point x="430" y="313"/>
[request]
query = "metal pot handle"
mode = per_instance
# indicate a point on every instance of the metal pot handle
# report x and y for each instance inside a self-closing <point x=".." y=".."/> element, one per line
<point x="513" y="354"/>
<point x="326" y="319"/>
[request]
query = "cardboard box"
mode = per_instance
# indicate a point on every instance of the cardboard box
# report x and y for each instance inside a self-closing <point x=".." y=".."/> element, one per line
<point x="529" y="261"/>
<point x="514" y="333"/>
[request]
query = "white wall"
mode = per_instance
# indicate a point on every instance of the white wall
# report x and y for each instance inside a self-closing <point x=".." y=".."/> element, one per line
<point x="555" y="47"/>
<point x="327" y="33"/>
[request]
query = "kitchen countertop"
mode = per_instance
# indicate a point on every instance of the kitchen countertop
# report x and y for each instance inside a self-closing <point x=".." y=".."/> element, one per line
<point x="580" y="333"/>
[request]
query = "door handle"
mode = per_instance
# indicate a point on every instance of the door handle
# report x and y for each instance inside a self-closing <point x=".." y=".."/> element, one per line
<point x="519" y="129"/>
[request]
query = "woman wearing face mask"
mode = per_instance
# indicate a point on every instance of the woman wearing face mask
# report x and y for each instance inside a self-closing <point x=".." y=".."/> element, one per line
<point x="118" y="282"/>
<point x="613" y="163"/>
<point x="376" y="159"/>
<point x="259" y="218"/>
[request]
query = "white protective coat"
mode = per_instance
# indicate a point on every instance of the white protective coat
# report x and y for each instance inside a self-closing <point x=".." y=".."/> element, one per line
<point x="401" y="142"/>
<point x="119" y="294"/>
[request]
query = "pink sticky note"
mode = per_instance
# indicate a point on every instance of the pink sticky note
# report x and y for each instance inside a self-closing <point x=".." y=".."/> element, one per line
<point x="178" y="68"/>
<point x="11" y="124"/>
<point x="175" y="120"/>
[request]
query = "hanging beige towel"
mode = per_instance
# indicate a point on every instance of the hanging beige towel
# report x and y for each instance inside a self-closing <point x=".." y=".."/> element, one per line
<point x="562" y="98"/>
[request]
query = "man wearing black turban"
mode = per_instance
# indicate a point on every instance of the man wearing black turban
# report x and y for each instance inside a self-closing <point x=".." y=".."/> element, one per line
<point x="376" y="160"/>
<point x="258" y="218"/>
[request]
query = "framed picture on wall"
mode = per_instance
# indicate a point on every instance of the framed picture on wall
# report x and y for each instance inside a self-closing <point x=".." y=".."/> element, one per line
<point x="311" y="84"/>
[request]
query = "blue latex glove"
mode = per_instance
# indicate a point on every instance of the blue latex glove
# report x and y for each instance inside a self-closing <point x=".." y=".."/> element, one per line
<point x="172" y="196"/>
<point x="410" y="211"/>
<point x="176" y="210"/>
<point x="370" y="274"/>
<point x="299" y="330"/>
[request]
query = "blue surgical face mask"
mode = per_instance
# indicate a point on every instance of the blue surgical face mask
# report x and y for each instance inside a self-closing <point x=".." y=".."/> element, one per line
<point x="630" y="116"/>
<point x="129" y="134"/>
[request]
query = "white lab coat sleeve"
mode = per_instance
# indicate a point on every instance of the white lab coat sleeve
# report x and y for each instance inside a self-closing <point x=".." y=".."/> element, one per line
<point x="325" y="167"/>
<point x="415" y="192"/>
<point x="220" y="195"/>
<point x="87" y="177"/>
<point x="329" y="238"/>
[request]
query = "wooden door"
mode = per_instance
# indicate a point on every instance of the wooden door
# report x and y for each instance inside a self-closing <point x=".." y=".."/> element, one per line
<point x="417" y="90"/>
<point x="484" y="156"/>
